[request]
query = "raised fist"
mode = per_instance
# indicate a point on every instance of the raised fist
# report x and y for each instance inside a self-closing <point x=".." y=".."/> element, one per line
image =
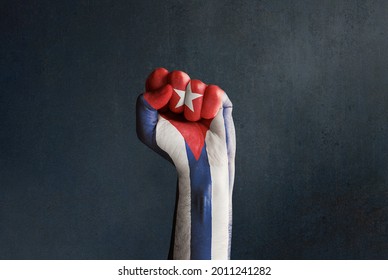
<point x="190" y="124"/>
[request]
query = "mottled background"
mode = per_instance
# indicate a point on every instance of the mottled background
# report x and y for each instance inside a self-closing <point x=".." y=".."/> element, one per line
<point x="309" y="83"/>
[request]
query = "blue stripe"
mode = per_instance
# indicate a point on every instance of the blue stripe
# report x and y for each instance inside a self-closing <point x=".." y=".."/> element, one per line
<point x="228" y="124"/>
<point x="146" y="121"/>
<point x="201" y="205"/>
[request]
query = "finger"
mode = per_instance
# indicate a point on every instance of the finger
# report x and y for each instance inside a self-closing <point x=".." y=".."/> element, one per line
<point x="159" y="98"/>
<point x="193" y="100"/>
<point x="226" y="103"/>
<point x="223" y="117"/>
<point x="156" y="79"/>
<point x="178" y="80"/>
<point x="212" y="99"/>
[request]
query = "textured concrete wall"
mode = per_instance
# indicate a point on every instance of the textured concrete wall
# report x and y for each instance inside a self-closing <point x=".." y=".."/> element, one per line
<point x="309" y="84"/>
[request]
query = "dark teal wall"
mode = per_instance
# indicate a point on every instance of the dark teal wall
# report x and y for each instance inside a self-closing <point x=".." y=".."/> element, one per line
<point x="309" y="84"/>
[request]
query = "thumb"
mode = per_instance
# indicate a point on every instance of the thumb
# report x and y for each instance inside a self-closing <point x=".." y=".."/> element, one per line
<point x="146" y="120"/>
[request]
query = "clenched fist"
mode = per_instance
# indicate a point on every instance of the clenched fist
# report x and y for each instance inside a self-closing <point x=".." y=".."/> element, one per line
<point x="190" y="124"/>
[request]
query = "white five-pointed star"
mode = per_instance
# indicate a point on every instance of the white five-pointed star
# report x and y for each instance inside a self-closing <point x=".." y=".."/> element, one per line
<point x="190" y="96"/>
<point x="181" y="94"/>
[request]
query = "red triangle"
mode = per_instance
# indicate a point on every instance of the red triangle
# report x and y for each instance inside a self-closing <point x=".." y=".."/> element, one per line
<point x="194" y="133"/>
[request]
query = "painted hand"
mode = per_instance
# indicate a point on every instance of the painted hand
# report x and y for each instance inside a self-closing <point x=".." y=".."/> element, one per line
<point x="190" y="124"/>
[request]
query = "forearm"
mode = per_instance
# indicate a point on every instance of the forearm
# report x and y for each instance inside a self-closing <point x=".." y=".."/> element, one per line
<point x="190" y="124"/>
<point x="203" y="211"/>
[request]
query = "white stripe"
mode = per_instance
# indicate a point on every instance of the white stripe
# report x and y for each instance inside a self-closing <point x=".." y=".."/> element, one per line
<point x="167" y="134"/>
<point x="218" y="161"/>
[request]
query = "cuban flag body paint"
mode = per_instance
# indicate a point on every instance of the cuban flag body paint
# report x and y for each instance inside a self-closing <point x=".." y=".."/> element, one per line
<point x="190" y="124"/>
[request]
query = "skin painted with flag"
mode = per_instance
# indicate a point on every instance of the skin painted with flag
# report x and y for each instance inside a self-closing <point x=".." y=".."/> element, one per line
<point x="190" y="124"/>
